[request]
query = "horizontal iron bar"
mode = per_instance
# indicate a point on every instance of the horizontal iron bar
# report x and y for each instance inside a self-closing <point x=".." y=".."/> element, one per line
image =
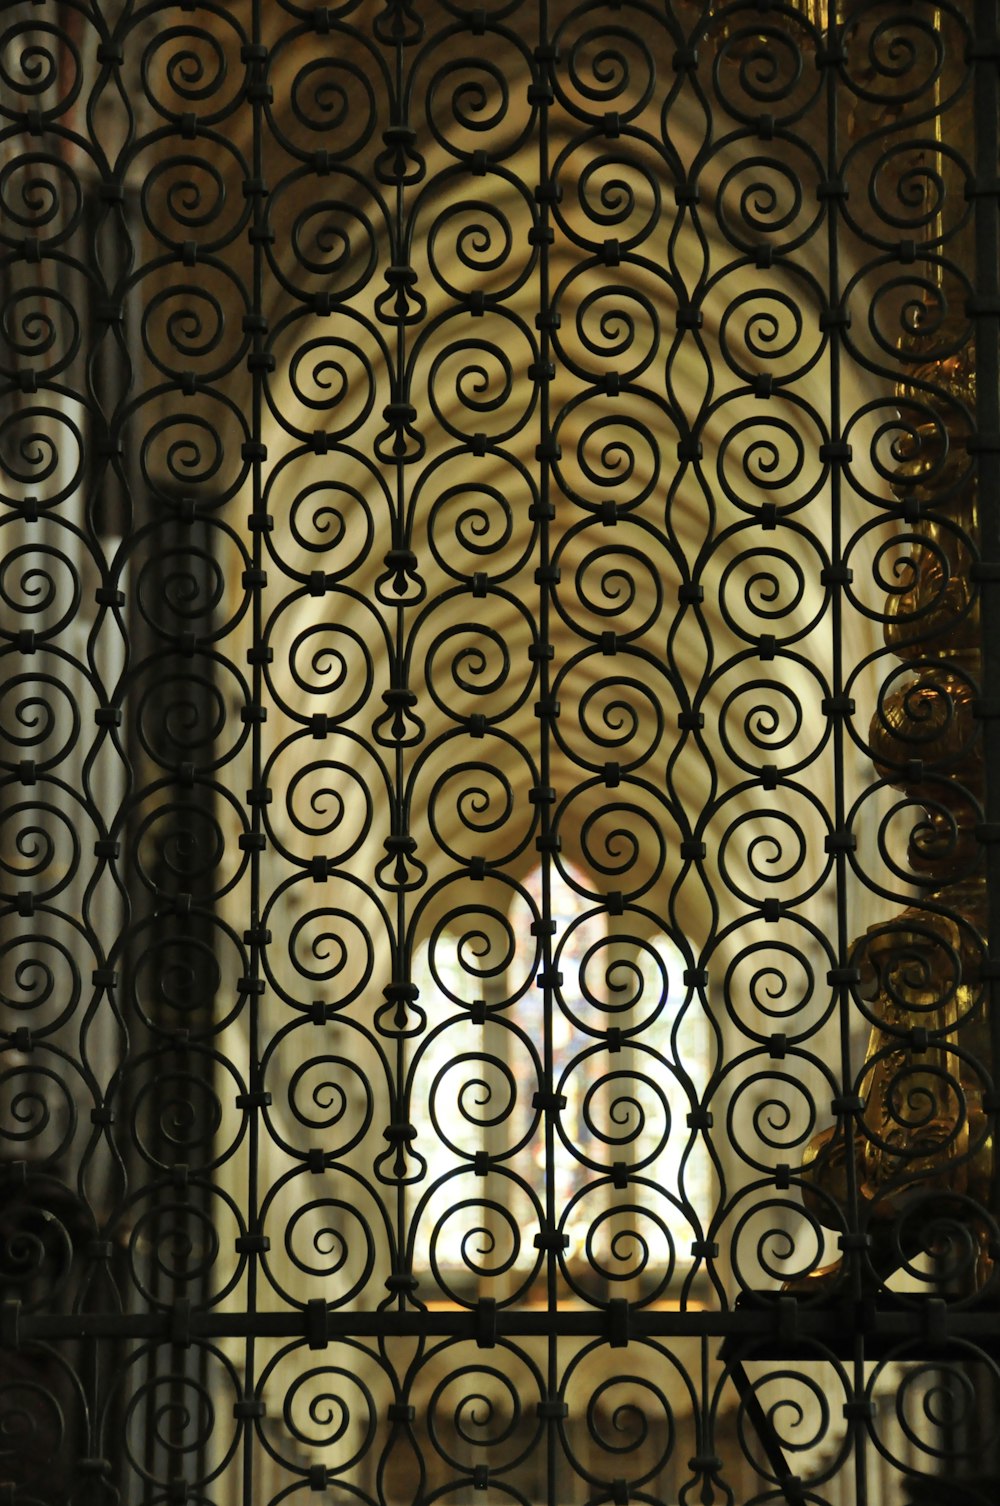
<point x="749" y="1333"/>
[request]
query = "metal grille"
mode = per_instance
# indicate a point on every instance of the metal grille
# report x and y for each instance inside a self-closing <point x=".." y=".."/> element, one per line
<point x="501" y="518"/>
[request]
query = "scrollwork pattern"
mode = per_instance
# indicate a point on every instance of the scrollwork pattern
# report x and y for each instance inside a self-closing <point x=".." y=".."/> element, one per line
<point x="494" y="734"/>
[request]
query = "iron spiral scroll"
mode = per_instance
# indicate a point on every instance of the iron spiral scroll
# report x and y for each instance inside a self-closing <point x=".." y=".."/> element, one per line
<point x="500" y="513"/>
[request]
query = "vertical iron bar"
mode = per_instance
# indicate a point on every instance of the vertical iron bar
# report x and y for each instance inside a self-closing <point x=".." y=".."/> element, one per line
<point x="855" y="1258"/>
<point x="255" y="70"/>
<point x="833" y="293"/>
<point x="545" y="509"/>
<point x="404" y="972"/>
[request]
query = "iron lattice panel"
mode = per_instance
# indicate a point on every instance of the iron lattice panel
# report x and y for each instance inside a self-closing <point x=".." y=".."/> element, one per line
<point x="500" y="521"/>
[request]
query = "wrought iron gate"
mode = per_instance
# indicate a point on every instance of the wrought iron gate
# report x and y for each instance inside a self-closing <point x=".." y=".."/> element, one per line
<point x="501" y="514"/>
